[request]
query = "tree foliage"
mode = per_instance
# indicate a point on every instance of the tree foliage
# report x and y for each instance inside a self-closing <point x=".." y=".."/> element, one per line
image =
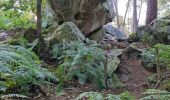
<point x="17" y="14"/>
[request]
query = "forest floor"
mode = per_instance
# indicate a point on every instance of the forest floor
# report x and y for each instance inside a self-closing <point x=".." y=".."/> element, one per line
<point x="130" y="72"/>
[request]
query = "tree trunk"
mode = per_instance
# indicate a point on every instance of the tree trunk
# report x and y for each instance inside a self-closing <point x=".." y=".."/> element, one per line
<point x="141" y="4"/>
<point x="39" y="28"/>
<point x="124" y="20"/>
<point x="151" y="13"/>
<point x="115" y="2"/>
<point x="39" y="18"/>
<point x="135" y="20"/>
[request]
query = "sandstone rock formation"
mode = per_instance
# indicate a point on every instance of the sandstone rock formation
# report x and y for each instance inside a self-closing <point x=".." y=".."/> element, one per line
<point x="88" y="15"/>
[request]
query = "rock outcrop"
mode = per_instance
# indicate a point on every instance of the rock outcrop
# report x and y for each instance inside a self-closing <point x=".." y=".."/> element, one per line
<point x="157" y="32"/>
<point x="88" y="15"/>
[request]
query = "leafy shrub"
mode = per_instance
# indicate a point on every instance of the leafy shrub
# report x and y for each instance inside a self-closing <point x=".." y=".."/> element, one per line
<point x="20" y="68"/>
<point x="11" y="20"/>
<point x="14" y="14"/>
<point x="4" y="22"/>
<point x="20" y="14"/>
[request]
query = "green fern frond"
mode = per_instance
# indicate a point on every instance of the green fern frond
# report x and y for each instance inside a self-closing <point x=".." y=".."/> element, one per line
<point x="123" y="96"/>
<point x="21" y="67"/>
<point x="86" y="62"/>
<point x="90" y="96"/>
<point x="5" y="97"/>
<point x="152" y="94"/>
<point x="98" y="96"/>
<point x="113" y="97"/>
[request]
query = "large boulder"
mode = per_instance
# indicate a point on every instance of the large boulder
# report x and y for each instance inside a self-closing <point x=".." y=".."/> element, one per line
<point x="112" y="60"/>
<point x="66" y="32"/>
<point x="148" y="60"/>
<point x="161" y="28"/>
<point x="118" y="34"/>
<point x="88" y="15"/>
<point x="97" y="35"/>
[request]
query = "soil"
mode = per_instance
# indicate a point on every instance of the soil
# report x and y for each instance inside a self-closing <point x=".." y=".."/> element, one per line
<point x="134" y="76"/>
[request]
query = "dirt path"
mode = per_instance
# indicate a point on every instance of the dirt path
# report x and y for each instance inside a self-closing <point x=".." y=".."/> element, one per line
<point x="134" y="76"/>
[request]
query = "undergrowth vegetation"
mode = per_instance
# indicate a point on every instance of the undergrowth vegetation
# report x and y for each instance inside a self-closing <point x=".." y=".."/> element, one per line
<point x="83" y="62"/>
<point x="99" y="96"/>
<point x="19" y="14"/>
<point x="20" y="70"/>
<point x="152" y="94"/>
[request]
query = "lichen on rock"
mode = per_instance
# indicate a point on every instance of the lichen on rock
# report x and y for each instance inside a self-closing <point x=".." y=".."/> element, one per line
<point x="66" y="32"/>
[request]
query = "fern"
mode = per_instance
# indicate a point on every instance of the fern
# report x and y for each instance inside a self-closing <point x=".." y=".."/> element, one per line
<point x="98" y="96"/>
<point x="20" y="67"/>
<point x="153" y="94"/>
<point x="90" y="96"/>
<point x="113" y="97"/>
<point x="85" y="62"/>
<point x="115" y="82"/>
<point x="123" y="96"/>
<point x="82" y="61"/>
<point x="5" y="97"/>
